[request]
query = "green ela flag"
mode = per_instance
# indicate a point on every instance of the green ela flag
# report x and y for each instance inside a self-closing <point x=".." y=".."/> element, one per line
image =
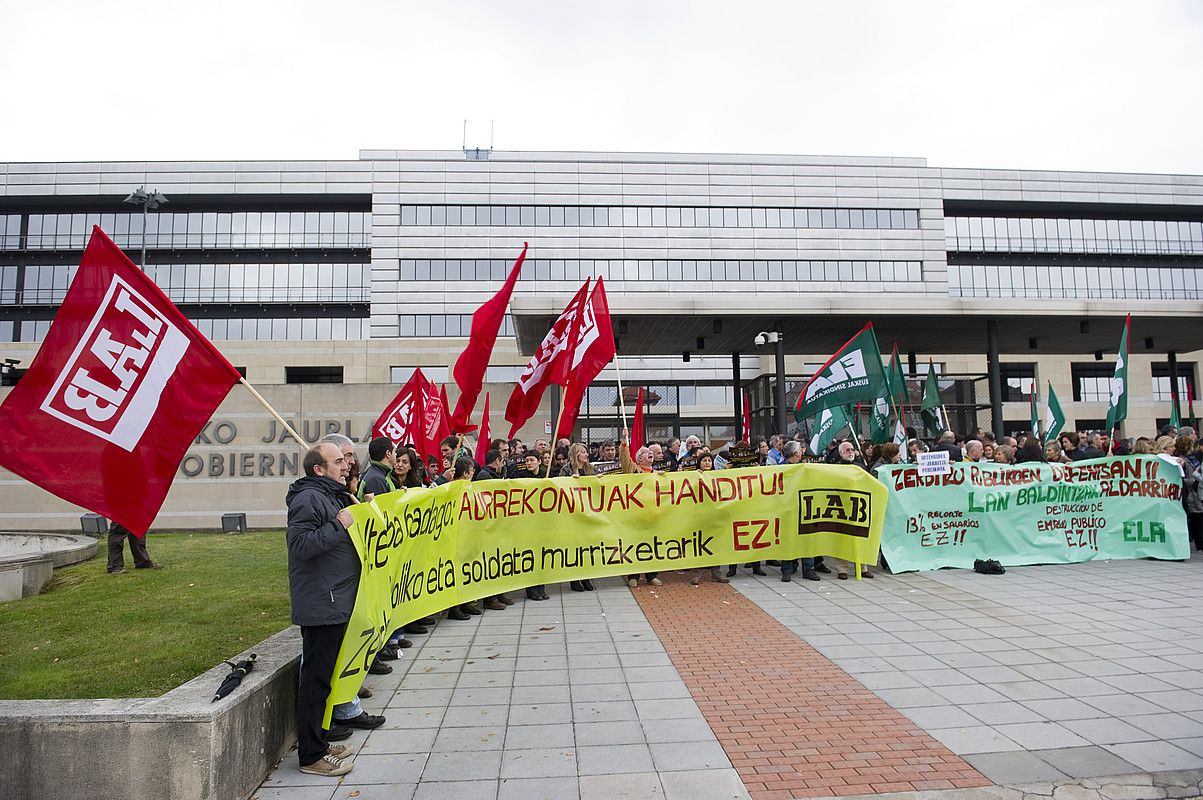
<point x="1117" y="409"/>
<point x="1035" y="413"/>
<point x="831" y="422"/>
<point x="879" y="421"/>
<point x="1175" y="419"/>
<point x="1054" y="416"/>
<point x="897" y="381"/>
<point x="900" y="440"/>
<point x="853" y="375"/>
<point x="932" y="409"/>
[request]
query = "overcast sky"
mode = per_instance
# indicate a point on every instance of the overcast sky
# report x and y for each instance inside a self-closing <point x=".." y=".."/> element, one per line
<point x="1040" y="84"/>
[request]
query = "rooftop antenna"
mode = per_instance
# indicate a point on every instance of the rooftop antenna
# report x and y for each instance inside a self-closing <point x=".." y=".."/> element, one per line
<point x="490" y="135"/>
<point x="465" y="142"/>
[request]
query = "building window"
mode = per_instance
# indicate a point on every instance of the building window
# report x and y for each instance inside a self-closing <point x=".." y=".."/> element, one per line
<point x="313" y="374"/>
<point x="1186" y="383"/>
<point x="1018" y="382"/>
<point x="1092" y="382"/>
<point x="1041" y="235"/>
<point x="661" y="217"/>
<point x="427" y="325"/>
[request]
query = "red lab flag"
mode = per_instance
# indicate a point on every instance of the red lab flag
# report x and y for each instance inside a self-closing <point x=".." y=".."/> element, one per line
<point x="482" y="443"/>
<point x="747" y="419"/>
<point x="469" y="370"/>
<point x="637" y="426"/>
<point x="594" y="350"/>
<point x="549" y="364"/>
<point x="120" y="388"/>
<point x="399" y="420"/>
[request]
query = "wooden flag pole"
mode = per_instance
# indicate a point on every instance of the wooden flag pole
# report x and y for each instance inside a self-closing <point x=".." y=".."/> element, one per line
<point x="622" y="405"/>
<point x="555" y="432"/>
<point x="283" y="423"/>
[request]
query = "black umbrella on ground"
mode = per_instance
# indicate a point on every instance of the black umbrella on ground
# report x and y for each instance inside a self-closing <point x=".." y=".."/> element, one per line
<point x="237" y="673"/>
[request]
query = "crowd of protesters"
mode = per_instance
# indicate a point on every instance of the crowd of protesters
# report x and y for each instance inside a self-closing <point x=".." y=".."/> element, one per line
<point x="320" y="555"/>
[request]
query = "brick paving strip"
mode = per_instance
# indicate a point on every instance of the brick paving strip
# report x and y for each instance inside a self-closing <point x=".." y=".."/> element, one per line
<point x="792" y="722"/>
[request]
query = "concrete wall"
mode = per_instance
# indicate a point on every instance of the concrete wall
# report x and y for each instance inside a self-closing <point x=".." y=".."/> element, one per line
<point x="179" y="745"/>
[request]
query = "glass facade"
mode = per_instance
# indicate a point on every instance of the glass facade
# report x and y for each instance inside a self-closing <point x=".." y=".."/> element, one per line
<point x="1186" y="383"/>
<point x="1018" y="382"/>
<point x="1103" y="282"/>
<point x="540" y="270"/>
<point x="426" y="325"/>
<point x="1092" y="382"/>
<point x="199" y="229"/>
<point x="45" y="284"/>
<point x="532" y="216"/>
<point x="1061" y="235"/>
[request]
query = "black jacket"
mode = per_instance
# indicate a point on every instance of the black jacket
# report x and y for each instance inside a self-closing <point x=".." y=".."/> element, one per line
<point x="486" y="474"/>
<point x="323" y="565"/>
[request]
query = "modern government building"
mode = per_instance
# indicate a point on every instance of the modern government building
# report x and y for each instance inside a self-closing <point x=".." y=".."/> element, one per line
<point x="327" y="282"/>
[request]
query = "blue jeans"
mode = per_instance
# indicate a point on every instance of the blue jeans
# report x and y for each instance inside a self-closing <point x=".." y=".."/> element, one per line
<point x="346" y="711"/>
<point x="788" y="568"/>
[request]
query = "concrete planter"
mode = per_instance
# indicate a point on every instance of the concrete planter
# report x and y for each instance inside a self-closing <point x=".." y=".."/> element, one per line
<point x="180" y="745"/>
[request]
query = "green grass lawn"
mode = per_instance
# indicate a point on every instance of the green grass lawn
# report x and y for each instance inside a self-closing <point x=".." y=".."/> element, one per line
<point x="140" y="634"/>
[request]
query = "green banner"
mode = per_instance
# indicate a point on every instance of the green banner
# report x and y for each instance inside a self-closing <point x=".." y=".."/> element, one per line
<point x="1035" y="513"/>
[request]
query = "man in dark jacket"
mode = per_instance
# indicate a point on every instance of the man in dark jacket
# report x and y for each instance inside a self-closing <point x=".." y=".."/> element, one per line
<point x="323" y="579"/>
<point x="493" y="469"/>
<point x="378" y="477"/>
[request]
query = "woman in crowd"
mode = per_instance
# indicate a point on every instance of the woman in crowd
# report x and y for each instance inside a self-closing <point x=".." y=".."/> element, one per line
<point x="1004" y="454"/>
<point x="706" y="464"/>
<point x="988" y="451"/>
<point x="889" y="455"/>
<point x="1053" y="454"/>
<point x="405" y="469"/>
<point x="1164" y="445"/>
<point x="576" y="464"/>
<point x="1189" y="453"/>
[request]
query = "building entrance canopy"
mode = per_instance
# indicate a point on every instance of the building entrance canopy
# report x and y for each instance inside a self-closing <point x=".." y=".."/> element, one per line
<point x="918" y="324"/>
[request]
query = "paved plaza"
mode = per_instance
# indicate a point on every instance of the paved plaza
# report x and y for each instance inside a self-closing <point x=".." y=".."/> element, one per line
<point x="947" y="683"/>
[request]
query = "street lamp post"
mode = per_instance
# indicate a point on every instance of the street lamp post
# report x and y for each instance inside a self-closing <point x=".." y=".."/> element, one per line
<point x="777" y="339"/>
<point x="148" y="201"/>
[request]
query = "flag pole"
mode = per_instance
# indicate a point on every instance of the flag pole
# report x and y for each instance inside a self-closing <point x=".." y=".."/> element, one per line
<point x="555" y="431"/>
<point x="622" y="406"/>
<point x="283" y="423"/>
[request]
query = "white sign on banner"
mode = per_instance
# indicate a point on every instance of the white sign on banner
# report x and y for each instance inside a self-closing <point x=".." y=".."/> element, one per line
<point x="935" y="463"/>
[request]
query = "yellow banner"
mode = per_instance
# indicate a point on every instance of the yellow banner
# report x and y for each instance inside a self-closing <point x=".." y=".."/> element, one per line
<point x="425" y="550"/>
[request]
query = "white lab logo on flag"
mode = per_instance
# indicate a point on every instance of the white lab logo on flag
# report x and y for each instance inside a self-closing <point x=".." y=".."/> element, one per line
<point x="111" y="385"/>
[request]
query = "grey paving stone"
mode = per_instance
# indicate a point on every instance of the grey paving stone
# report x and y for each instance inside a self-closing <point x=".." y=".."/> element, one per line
<point x="609" y="759"/>
<point x="1027" y="690"/>
<point x="1106" y="730"/>
<point x="1063" y="708"/>
<point x="677" y="730"/>
<point x="1167" y="726"/>
<point x="544" y="762"/>
<point x="391" y="768"/>
<point x="641" y="674"/>
<point x="522" y="737"/>
<point x="1001" y="713"/>
<point x="540" y="677"/>
<point x="890" y="680"/>
<point x="599" y="692"/>
<point x="565" y="788"/>
<point x="659" y="690"/>
<point x="542" y="713"/>
<point x="481" y="696"/>
<point x="1081" y="687"/>
<point x="939" y="717"/>
<point x="428" y="698"/>
<point x="604" y="711"/>
<point x="1040" y="735"/>
<point x="909" y="698"/>
<point x="414" y="717"/>
<point x="1175" y="700"/>
<point x="1156" y="756"/>
<point x="299" y="792"/>
<point x="969" y="693"/>
<point x="522" y="695"/>
<point x="672" y="756"/>
<point x="973" y="739"/>
<point x="407" y="740"/>
<point x="452" y="740"/>
<point x="1086" y="762"/>
<point x="349" y="790"/>
<point x="456" y="790"/>
<point x="667" y="709"/>
<point x="1122" y="705"/>
<point x="602" y="733"/>
<point x="635" y="786"/>
<point x="606" y="675"/>
<point x="462" y="765"/>
<point x="1013" y="767"/>
<point x="712" y="784"/>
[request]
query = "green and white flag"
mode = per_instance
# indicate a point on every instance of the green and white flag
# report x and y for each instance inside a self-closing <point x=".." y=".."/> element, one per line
<point x="1054" y="416"/>
<point x="900" y="440"/>
<point x="1175" y="418"/>
<point x="897" y="380"/>
<point x="1117" y="409"/>
<point x="879" y="421"/>
<point x="853" y="375"/>
<point x="831" y="422"/>
<point x="1035" y="413"/>
<point x="932" y="409"/>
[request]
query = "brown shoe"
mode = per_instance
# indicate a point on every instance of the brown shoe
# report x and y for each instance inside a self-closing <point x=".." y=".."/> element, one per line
<point x="493" y="604"/>
<point x="327" y="765"/>
<point x="337" y="750"/>
<point x="505" y="598"/>
<point x="364" y="693"/>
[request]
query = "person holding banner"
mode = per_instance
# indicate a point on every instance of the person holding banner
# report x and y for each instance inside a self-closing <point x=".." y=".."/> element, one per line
<point x="578" y="464"/>
<point x="492" y="470"/>
<point x="534" y="469"/>
<point x="706" y="464"/>
<point x="792" y="451"/>
<point x="642" y="463"/>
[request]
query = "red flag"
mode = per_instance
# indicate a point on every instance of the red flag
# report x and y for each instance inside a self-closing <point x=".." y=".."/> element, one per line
<point x="120" y="388"/>
<point x="637" y="426"/>
<point x="399" y="420"/>
<point x="482" y="443"/>
<point x="594" y="350"/>
<point x="445" y="417"/>
<point x="548" y="365"/>
<point x="747" y="419"/>
<point x="469" y="370"/>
